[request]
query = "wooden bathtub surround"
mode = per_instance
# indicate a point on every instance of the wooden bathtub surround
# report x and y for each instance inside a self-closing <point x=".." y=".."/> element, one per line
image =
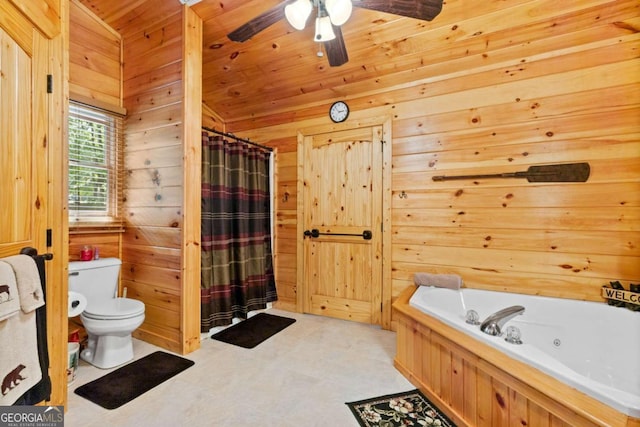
<point x="477" y="385"/>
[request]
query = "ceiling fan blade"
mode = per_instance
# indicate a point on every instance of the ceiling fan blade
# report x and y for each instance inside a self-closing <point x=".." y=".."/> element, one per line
<point x="419" y="9"/>
<point x="259" y="23"/>
<point x="336" y="50"/>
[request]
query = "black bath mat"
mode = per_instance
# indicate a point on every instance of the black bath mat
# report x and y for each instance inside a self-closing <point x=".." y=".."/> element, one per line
<point x="130" y="381"/>
<point x="251" y="332"/>
<point x="399" y="409"/>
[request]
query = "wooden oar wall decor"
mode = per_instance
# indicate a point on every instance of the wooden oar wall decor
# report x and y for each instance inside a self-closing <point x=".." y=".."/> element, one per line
<point x="567" y="172"/>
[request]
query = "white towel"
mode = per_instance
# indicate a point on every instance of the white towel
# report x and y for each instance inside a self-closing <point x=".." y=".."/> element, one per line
<point x="28" y="280"/>
<point x="19" y="362"/>
<point x="9" y="298"/>
<point x="451" y="281"/>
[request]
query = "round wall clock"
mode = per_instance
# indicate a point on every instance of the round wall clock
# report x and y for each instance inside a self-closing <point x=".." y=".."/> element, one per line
<point x="339" y="111"/>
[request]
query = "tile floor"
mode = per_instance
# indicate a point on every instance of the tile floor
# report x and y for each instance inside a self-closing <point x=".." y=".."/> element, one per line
<point x="300" y="377"/>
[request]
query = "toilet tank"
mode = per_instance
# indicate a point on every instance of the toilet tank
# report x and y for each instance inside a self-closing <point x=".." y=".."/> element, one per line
<point x="97" y="280"/>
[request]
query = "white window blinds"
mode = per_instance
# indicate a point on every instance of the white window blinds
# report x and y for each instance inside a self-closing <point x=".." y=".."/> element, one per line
<point x="95" y="167"/>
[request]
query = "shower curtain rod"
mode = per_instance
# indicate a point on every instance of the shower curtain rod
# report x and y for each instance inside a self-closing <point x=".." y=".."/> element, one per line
<point x="230" y="135"/>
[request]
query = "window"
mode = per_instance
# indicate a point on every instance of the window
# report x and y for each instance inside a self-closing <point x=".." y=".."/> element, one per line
<point x="95" y="163"/>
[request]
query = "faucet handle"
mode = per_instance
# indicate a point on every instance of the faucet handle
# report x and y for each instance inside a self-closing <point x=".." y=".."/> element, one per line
<point x="513" y="335"/>
<point x="472" y="317"/>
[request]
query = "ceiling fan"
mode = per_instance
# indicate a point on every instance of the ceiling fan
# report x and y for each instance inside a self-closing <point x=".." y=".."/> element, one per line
<point x="330" y="15"/>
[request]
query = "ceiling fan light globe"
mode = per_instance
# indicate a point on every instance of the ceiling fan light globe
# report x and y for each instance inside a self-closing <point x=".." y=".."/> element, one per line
<point x="297" y="13"/>
<point x="339" y="10"/>
<point x="324" y="30"/>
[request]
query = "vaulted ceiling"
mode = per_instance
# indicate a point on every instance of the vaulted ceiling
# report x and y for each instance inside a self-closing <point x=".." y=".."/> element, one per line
<point x="279" y="70"/>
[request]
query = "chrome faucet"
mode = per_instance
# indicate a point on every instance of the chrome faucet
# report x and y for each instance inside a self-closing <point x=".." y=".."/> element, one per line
<point x="493" y="324"/>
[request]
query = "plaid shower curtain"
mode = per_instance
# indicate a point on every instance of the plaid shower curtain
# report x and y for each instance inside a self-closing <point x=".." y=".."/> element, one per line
<point x="237" y="265"/>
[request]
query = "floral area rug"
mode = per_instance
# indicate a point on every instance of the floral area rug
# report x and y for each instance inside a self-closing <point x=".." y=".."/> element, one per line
<point x="410" y="408"/>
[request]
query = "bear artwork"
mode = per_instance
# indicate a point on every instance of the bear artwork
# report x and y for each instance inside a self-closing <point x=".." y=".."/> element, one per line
<point x="12" y="377"/>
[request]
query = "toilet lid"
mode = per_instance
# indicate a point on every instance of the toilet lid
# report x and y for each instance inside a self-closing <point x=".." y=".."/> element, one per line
<point x="114" y="308"/>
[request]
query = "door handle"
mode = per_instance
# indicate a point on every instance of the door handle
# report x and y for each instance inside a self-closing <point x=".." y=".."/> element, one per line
<point x="312" y="233"/>
<point x="366" y="234"/>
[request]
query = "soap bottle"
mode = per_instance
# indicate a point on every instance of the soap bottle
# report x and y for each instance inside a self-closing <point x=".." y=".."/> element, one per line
<point x="96" y="253"/>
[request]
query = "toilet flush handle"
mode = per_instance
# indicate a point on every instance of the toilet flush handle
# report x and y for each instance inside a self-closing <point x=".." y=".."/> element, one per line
<point x="74" y="273"/>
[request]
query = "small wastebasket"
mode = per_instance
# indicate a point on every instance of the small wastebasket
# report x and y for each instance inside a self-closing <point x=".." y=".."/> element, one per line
<point x="73" y="349"/>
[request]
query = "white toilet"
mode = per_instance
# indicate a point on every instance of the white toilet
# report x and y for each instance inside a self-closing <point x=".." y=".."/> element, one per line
<point x="109" y="320"/>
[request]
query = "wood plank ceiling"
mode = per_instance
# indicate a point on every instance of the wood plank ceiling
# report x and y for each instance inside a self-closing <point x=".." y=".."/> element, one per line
<point x="279" y="69"/>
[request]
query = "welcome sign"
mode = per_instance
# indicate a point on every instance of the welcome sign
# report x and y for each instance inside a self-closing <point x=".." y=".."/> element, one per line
<point x="621" y="295"/>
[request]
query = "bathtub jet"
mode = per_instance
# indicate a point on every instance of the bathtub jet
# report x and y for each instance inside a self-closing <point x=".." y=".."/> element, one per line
<point x="493" y="324"/>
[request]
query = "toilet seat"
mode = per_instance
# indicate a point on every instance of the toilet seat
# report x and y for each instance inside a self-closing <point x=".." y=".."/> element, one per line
<point x="116" y="308"/>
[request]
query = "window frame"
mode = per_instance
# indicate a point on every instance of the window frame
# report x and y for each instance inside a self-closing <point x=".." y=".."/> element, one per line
<point x="110" y="217"/>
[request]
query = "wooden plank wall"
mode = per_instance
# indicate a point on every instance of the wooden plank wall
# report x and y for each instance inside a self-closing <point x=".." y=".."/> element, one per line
<point x="95" y="59"/>
<point x="45" y="14"/>
<point x="286" y="201"/>
<point x="192" y="175"/>
<point x="152" y="243"/>
<point x="95" y="78"/>
<point x="557" y="87"/>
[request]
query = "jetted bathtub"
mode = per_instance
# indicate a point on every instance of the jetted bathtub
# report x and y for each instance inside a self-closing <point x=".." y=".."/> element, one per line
<point x="592" y="347"/>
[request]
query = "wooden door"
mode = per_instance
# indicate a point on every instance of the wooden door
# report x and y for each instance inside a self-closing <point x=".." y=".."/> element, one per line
<point x="342" y="210"/>
<point x="23" y="180"/>
<point x="32" y="161"/>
